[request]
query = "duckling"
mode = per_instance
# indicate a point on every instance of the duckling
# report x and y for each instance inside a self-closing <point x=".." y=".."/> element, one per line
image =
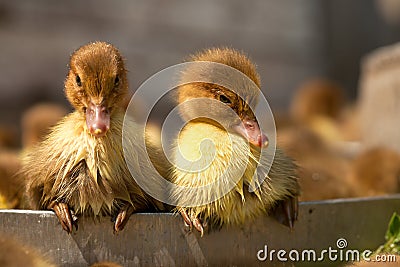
<point x="317" y="97"/>
<point x="320" y="167"/>
<point x="79" y="169"/>
<point x="236" y="141"/>
<point x="14" y="254"/>
<point x="11" y="186"/>
<point x="376" y="171"/>
<point x="318" y="104"/>
<point x="8" y="136"/>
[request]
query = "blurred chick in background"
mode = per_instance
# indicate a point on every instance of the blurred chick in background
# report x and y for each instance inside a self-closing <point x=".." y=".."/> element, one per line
<point x="375" y="172"/>
<point x="11" y="186"/>
<point x="318" y="104"/>
<point x="16" y="254"/>
<point x="321" y="106"/>
<point x="35" y="124"/>
<point x="79" y="169"/>
<point x="321" y="125"/>
<point x="320" y="139"/>
<point x="318" y="97"/>
<point x="8" y="137"/>
<point x="37" y="121"/>
<point x="278" y="191"/>
<point x="322" y="171"/>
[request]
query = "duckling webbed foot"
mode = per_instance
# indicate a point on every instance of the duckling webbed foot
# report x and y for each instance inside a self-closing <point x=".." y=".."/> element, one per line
<point x="286" y="211"/>
<point x="66" y="216"/>
<point x="192" y="221"/>
<point x="122" y="217"/>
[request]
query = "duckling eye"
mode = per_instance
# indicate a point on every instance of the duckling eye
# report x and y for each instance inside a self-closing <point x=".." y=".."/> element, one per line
<point x="224" y="99"/>
<point x="116" y="81"/>
<point x="78" y="80"/>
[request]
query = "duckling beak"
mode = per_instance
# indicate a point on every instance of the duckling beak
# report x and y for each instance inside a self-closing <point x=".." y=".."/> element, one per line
<point x="97" y="119"/>
<point x="250" y="130"/>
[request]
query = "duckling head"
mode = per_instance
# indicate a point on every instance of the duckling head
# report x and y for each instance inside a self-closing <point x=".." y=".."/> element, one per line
<point x="96" y="84"/>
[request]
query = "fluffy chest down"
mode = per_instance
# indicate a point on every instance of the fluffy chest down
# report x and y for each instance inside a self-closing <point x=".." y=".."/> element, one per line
<point x="206" y="154"/>
<point x="85" y="172"/>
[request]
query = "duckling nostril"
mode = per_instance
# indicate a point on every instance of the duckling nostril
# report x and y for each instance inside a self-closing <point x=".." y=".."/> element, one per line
<point x="97" y="120"/>
<point x="98" y="130"/>
<point x="249" y="125"/>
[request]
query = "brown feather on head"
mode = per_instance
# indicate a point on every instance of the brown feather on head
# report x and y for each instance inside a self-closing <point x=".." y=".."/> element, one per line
<point x="96" y="84"/>
<point x="242" y="99"/>
<point x="232" y="58"/>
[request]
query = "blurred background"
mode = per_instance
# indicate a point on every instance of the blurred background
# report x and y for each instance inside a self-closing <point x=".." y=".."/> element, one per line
<point x="290" y="41"/>
<point x="321" y="123"/>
